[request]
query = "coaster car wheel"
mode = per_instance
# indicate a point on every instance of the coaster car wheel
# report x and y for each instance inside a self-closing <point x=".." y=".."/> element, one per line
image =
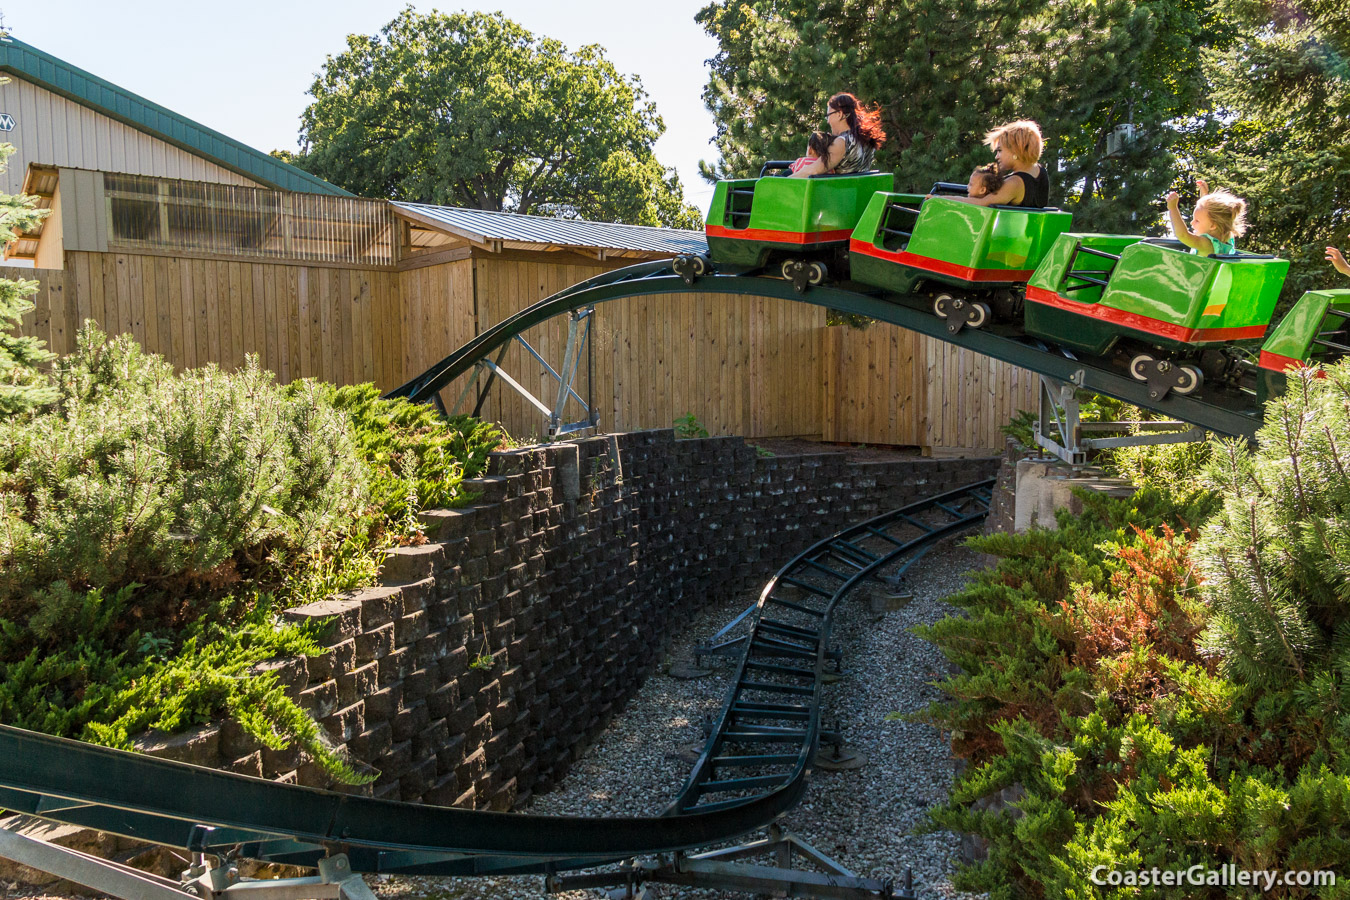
<point x="960" y="313"/>
<point x="1165" y="376"/>
<point x="691" y="266"/>
<point x="803" y="274"/>
<point x="1140" y="367"/>
<point x="1188" y="379"/>
<point x="977" y="314"/>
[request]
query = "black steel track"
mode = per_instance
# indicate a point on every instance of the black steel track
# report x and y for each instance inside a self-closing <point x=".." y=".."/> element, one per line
<point x="769" y="729"/>
<point x="1214" y="409"/>
<point x="181" y="805"/>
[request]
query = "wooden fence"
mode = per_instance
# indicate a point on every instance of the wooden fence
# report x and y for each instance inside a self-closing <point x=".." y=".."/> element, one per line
<point x="341" y="325"/>
<point x="741" y="365"/>
<point x="888" y="385"/>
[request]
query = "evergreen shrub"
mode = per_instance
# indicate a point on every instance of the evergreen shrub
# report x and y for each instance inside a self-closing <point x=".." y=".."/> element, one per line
<point x="1161" y="681"/>
<point x="153" y="525"/>
<point x="23" y="383"/>
<point x="138" y="475"/>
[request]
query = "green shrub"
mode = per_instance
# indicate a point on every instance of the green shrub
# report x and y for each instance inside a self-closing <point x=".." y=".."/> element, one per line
<point x="688" y="427"/>
<point x="1278" y="554"/>
<point x="417" y="458"/>
<point x="151" y="525"/>
<point x="23" y="384"/>
<point x="176" y="482"/>
<point x="1169" y="467"/>
<point x="1150" y="699"/>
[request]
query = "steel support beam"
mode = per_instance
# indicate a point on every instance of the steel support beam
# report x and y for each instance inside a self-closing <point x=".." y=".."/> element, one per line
<point x="1211" y="409"/>
<point x="1059" y="427"/>
<point x="727" y="869"/>
<point x="578" y="342"/>
<point x="90" y="871"/>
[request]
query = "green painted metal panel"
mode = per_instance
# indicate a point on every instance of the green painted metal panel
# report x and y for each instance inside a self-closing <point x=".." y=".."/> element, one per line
<point x="868" y="229"/>
<point x="985" y="238"/>
<point x="1162" y="284"/>
<point x="805" y="205"/>
<point x="1293" y="336"/>
<point x="952" y="242"/>
<point x="764" y="215"/>
<point x="1155" y="293"/>
<point x="1195" y="291"/>
<point x="1054" y="266"/>
<point x="952" y="232"/>
<point x="883" y="273"/>
<point x="86" y="89"/>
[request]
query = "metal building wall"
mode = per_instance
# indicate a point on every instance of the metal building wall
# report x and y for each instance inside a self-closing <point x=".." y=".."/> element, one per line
<point x="51" y="130"/>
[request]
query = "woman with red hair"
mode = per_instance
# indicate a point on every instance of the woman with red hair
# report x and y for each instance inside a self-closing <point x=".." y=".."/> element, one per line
<point x="857" y="133"/>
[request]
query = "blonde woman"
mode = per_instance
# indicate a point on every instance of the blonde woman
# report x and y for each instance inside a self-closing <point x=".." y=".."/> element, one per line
<point x="1017" y="149"/>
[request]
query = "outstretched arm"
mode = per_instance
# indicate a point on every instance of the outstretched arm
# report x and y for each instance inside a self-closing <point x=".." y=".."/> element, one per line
<point x="1201" y="242"/>
<point x="1009" y="195"/>
<point x="1202" y="186"/>
<point x="1337" y="259"/>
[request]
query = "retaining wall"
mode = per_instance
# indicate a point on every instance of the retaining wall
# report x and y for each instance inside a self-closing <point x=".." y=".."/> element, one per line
<point x="568" y="570"/>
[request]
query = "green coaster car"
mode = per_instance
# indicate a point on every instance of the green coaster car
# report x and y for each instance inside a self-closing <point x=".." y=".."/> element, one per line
<point x="1315" y="330"/>
<point x="1179" y="314"/>
<point x="799" y="224"/>
<point x="903" y="240"/>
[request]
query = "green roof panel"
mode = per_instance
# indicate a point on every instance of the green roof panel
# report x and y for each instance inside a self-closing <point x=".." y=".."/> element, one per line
<point x="79" y="86"/>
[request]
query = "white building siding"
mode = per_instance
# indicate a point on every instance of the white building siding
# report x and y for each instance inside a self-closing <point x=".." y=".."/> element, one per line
<point x="51" y="130"/>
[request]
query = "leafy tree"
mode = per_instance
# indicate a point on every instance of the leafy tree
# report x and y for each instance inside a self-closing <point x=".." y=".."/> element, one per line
<point x="1283" y="140"/>
<point x="1093" y="67"/>
<point x="945" y="71"/>
<point x="473" y="110"/>
<point x="22" y="385"/>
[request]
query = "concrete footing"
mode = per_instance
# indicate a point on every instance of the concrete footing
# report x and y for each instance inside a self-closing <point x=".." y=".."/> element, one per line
<point x="1045" y="485"/>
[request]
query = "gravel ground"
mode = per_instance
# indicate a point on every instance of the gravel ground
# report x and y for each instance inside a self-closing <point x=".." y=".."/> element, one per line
<point x="862" y="818"/>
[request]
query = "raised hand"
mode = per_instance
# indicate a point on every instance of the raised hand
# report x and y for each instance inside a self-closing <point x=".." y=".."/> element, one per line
<point x="1337" y="259"/>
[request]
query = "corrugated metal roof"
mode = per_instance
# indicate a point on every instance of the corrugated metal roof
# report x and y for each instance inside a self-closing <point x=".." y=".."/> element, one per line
<point x="60" y="77"/>
<point x="498" y="226"/>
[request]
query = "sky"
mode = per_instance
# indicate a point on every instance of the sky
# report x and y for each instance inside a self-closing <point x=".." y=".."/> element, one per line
<point x="244" y="68"/>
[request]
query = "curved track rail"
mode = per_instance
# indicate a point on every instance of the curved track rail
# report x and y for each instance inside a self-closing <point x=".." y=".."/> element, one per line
<point x="1214" y="409"/>
<point x="206" y="810"/>
<point x="769" y="729"/>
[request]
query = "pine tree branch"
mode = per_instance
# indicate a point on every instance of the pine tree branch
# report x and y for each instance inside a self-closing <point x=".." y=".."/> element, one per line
<point x="1264" y="592"/>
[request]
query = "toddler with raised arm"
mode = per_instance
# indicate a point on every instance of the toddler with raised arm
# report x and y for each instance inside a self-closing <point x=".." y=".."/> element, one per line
<point x="1220" y="218"/>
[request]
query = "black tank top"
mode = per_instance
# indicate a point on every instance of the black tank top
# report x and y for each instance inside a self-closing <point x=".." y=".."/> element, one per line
<point x="1035" y="189"/>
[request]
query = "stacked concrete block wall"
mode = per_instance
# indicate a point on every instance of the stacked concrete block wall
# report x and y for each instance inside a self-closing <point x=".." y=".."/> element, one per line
<point x="490" y="657"/>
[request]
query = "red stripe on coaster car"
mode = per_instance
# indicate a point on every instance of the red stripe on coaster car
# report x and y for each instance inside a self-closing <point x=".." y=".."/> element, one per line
<point x="939" y="267"/>
<point x="777" y="237"/>
<point x="1279" y="363"/>
<point x="1146" y="324"/>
